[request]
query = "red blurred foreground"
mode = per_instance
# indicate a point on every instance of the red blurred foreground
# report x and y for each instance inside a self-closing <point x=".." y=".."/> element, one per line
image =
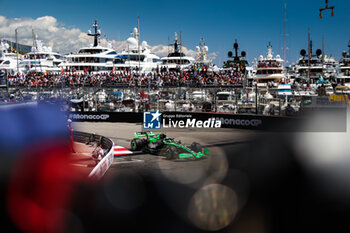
<point x="42" y="185"/>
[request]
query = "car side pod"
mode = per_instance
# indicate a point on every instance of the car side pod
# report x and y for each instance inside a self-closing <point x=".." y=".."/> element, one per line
<point x="194" y="155"/>
<point x="186" y="156"/>
<point x="143" y="134"/>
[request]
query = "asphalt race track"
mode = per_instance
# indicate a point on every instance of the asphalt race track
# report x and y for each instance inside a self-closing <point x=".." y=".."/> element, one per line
<point x="217" y="141"/>
<point x="253" y="181"/>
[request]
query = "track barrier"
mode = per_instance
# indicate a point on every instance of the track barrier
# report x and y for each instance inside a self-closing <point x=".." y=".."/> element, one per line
<point x="107" y="145"/>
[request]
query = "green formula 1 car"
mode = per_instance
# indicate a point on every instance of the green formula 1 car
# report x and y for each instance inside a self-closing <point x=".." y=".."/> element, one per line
<point x="168" y="147"/>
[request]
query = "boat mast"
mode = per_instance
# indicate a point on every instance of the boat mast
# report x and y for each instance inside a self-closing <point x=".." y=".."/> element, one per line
<point x="167" y="60"/>
<point x="17" y="49"/>
<point x="35" y="47"/>
<point x="323" y="53"/>
<point x="138" y="39"/>
<point x="181" y="52"/>
<point x="323" y="56"/>
<point x="96" y="33"/>
<point x="201" y="51"/>
<point x="284" y="34"/>
<point x="168" y="45"/>
<point x="309" y="57"/>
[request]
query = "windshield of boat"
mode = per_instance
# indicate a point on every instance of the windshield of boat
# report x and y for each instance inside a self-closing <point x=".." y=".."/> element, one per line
<point x="124" y="58"/>
<point x="176" y="61"/>
<point x="91" y="51"/>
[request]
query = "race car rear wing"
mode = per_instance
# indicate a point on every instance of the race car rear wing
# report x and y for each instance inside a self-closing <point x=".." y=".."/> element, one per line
<point x="143" y="134"/>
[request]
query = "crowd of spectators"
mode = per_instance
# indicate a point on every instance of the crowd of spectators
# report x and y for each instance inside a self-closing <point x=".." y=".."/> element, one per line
<point x="163" y="79"/>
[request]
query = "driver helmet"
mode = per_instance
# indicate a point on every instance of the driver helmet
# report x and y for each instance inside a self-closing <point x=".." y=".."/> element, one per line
<point x="162" y="136"/>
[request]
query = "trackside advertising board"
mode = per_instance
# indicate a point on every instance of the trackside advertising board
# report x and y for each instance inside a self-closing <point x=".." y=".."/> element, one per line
<point x="164" y="120"/>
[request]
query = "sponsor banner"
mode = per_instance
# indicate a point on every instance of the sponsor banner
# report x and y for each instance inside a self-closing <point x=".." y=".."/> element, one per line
<point x="240" y="122"/>
<point x="155" y="120"/>
<point x="87" y="116"/>
<point x="192" y="123"/>
<point x="181" y="120"/>
<point x="152" y="120"/>
<point x="166" y="120"/>
<point x="129" y="117"/>
<point x="207" y="120"/>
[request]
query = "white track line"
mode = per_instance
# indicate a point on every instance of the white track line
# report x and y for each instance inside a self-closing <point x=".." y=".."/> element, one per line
<point x="128" y="161"/>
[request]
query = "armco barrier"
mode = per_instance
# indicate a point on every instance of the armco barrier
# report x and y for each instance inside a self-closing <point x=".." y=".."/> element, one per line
<point x="107" y="144"/>
<point x="241" y="121"/>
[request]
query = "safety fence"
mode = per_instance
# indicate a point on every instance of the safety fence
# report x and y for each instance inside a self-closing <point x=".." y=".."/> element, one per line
<point x="233" y="100"/>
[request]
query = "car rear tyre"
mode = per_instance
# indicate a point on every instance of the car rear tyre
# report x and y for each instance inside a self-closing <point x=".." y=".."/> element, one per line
<point x="136" y="144"/>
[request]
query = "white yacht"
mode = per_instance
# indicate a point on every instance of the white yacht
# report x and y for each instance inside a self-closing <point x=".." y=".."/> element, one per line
<point x="343" y="76"/>
<point x="330" y="67"/>
<point x="202" y="61"/>
<point x="177" y="59"/>
<point x="236" y="62"/>
<point x="8" y="60"/>
<point x="41" y="59"/>
<point x="94" y="59"/>
<point x="225" y="101"/>
<point x="269" y="68"/>
<point x="284" y="90"/>
<point x="225" y="96"/>
<point x="320" y="66"/>
<point x="200" y="95"/>
<point x="135" y="57"/>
